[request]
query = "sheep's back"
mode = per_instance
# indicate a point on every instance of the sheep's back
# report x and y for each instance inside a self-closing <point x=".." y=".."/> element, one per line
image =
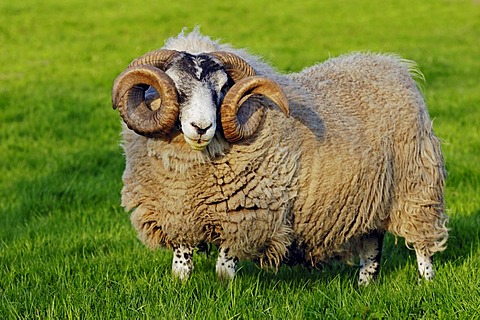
<point x="368" y="106"/>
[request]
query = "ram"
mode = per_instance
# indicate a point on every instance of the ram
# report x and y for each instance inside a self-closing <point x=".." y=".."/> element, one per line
<point x="278" y="168"/>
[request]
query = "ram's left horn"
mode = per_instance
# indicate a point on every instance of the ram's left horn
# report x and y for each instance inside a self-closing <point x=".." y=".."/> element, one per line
<point x="236" y="67"/>
<point x="249" y="91"/>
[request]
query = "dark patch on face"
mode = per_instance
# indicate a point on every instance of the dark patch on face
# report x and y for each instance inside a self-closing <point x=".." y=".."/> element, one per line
<point x="186" y="63"/>
<point x="189" y="66"/>
<point x="193" y="71"/>
<point x="208" y="65"/>
<point x="190" y="63"/>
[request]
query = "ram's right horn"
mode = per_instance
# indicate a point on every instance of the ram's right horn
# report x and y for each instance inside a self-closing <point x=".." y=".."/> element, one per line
<point x="252" y="92"/>
<point x="128" y="95"/>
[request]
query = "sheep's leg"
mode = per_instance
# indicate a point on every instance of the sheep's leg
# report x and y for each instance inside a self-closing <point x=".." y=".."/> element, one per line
<point x="370" y="257"/>
<point x="182" y="264"/>
<point x="425" y="265"/>
<point x="226" y="264"/>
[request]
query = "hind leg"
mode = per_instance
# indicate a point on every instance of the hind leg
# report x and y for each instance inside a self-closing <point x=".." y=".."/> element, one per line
<point x="370" y="256"/>
<point x="425" y="265"/>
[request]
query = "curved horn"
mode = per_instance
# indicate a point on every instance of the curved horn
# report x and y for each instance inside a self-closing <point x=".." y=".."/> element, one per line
<point x="128" y="95"/>
<point x="236" y="67"/>
<point x="158" y="58"/>
<point x="236" y="128"/>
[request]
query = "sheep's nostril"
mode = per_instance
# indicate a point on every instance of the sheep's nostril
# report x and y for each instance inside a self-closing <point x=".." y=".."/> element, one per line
<point x="200" y="130"/>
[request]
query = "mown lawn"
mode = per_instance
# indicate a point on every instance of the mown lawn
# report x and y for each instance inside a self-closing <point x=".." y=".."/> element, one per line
<point x="67" y="249"/>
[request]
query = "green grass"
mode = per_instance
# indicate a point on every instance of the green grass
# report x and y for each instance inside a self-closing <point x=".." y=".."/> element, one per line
<point x="67" y="249"/>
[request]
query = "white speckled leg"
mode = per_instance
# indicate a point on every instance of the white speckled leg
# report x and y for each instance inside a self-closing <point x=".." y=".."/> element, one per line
<point x="425" y="266"/>
<point x="226" y="265"/>
<point x="182" y="264"/>
<point x="370" y="259"/>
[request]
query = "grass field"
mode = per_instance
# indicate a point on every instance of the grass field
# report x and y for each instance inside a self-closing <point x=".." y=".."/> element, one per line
<point x="67" y="249"/>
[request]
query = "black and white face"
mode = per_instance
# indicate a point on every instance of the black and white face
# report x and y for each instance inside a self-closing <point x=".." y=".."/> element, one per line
<point x="196" y="93"/>
<point x="201" y="82"/>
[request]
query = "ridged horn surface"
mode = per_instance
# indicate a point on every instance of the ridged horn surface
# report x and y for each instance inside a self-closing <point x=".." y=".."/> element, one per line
<point x="157" y="58"/>
<point x="236" y="67"/>
<point x="128" y="95"/>
<point x="247" y="91"/>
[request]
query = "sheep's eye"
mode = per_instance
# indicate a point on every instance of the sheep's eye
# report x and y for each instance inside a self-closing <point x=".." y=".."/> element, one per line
<point x="227" y="85"/>
<point x="225" y="88"/>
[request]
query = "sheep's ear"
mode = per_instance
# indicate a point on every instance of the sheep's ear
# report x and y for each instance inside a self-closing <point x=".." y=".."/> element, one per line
<point x="250" y="95"/>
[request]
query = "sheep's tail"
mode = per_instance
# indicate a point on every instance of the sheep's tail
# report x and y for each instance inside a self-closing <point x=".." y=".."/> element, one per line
<point x="415" y="72"/>
<point x="419" y="211"/>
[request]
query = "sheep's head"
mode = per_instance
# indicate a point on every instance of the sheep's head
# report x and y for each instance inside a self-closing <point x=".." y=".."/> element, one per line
<point x="166" y="88"/>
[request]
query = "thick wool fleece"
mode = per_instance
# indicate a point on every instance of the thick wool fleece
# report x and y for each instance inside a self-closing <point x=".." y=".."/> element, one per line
<point x="378" y="165"/>
<point x="356" y="155"/>
<point x="240" y="199"/>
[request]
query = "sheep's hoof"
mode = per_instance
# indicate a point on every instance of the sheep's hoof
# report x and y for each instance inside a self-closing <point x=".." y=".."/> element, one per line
<point x="369" y="270"/>
<point x="182" y="275"/>
<point x="365" y="278"/>
<point x="225" y="274"/>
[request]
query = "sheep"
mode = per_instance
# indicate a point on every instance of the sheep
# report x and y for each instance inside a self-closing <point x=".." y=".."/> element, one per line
<point x="278" y="168"/>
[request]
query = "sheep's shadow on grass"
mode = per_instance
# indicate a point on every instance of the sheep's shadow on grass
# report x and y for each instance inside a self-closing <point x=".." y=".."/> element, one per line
<point x="464" y="238"/>
<point x="396" y="258"/>
<point x="294" y="275"/>
<point x="463" y="242"/>
<point x="300" y="276"/>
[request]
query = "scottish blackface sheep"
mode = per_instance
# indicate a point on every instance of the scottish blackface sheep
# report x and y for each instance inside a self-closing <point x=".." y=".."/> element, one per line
<point x="301" y="168"/>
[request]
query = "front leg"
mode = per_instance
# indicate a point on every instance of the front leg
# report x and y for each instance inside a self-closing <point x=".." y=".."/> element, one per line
<point x="182" y="264"/>
<point x="226" y="264"/>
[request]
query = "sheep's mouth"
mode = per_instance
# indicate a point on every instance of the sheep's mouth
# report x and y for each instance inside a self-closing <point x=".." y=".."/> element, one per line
<point x="198" y="144"/>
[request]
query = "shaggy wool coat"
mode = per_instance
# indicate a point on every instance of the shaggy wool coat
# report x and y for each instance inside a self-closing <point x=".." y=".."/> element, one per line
<point x="357" y="154"/>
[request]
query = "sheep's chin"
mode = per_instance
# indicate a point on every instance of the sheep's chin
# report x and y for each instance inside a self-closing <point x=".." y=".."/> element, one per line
<point x="195" y="145"/>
